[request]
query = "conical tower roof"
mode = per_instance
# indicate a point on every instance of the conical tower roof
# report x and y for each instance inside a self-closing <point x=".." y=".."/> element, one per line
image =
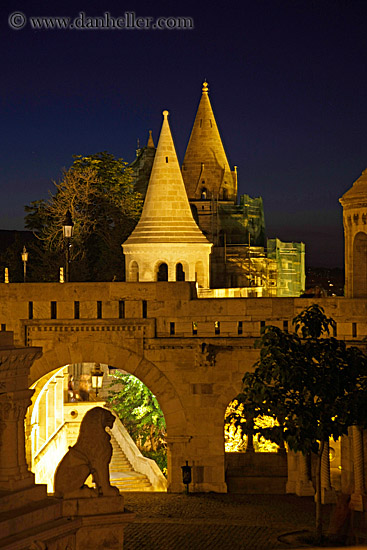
<point x="358" y="192"/>
<point x="205" y="165"/>
<point x="150" y="140"/>
<point x="166" y="216"/>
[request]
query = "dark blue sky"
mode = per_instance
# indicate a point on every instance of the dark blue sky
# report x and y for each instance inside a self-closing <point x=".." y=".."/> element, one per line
<point x="287" y="82"/>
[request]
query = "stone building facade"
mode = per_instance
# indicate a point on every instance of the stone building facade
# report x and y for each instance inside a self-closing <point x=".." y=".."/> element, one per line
<point x="354" y="203"/>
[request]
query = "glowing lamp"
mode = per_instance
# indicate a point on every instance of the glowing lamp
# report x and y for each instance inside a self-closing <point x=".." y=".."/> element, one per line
<point x="97" y="377"/>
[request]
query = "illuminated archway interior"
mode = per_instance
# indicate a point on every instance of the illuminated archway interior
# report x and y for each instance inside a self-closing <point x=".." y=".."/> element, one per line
<point x="59" y="404"/>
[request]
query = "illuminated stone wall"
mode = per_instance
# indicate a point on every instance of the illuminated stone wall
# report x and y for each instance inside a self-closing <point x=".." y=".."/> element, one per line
<point x="191" y="353"/>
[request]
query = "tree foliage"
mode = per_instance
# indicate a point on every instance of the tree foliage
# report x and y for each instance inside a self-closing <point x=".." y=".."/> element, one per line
<point x="98" y="192"/>
<point x="311" y="383"/>
<point x="140" y="413"/>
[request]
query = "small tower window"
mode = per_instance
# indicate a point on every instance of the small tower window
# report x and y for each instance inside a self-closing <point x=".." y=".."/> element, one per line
<point x="180" y="274"/>
<point x="162" y="273"/>
<point x="167" y="160"/>
<point x="225" y="194"/>
<point x="203" y="194"/>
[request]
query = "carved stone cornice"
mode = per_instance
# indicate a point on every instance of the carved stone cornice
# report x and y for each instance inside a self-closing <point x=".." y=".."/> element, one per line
<point x="15" y="364"/>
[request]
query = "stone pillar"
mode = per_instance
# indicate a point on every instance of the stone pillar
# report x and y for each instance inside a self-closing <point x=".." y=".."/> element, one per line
<point x="51" y="422"/>
<point x="15" y="398"/>
<point x="14" y="474"/>
<point x="176" y="457"/>
<point x="358" y="499"/>
<point x="328" y="494"/>
<point x="43" y="418"/>
<point x="172" y="271"/>
<point x="59" y="400"/>
<point x="304" y="485"/>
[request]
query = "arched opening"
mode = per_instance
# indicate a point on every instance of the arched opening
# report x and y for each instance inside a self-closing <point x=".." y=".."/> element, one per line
<point x="133" y="272"/>
<point x="60" y="403"/>
<point x="204" y="193"/>
<point x="238" y="428"/>
<point x="180" y="274"/>
<point x="225" y="194"/>
<point x="360" y="265"/>
<point x="248" y="456"/>
<point x="140" y="413"/>
<point x="162" y="272"/>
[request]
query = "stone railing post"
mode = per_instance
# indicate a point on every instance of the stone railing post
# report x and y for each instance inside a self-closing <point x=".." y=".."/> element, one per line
<point x="328" y="494"/>
<point x="359" y="497"/>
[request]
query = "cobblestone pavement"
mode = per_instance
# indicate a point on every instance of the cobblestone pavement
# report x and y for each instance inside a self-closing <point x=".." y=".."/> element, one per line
<point x="216" y="521"/>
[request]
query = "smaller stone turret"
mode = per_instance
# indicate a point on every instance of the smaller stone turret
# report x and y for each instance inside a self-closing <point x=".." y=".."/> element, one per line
<point x="354" y="203"/>
<point x="205" y="169"/>
<point x="167" y="244"/>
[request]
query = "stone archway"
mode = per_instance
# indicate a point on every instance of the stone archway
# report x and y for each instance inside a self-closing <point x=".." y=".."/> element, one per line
<point x="162" y="272"/>
<point x="133" y="272"/>
<point x="180" y="272"/>
<point x="147" y="372"/>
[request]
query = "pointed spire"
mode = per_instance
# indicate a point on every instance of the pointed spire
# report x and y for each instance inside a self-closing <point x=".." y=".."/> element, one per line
<point x="150" y="143"/>
<point x="205" y="165"/>
<point x="166" y="216"/>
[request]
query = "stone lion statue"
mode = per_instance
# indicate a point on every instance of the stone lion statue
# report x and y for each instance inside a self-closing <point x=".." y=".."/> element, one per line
<point x="91" y="454"/>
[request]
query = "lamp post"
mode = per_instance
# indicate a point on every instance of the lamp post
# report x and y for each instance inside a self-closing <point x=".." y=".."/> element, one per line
<point x="24" y="260"/>
<point x="67" y="231"/>
<point x="97" y="378"/>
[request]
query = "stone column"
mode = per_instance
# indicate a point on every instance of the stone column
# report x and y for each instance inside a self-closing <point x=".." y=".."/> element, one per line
<point x="171" y="271"/>
<point x="14" y="474"/>
<point x="51" y="424"/>
<point x="15" y="398"/>
<point x="176" y="457"/>
<point x="59" y="400"/>
<point x="304" y="485"/>
<point x="359" y="497"/>
<point x="328" y="494"/>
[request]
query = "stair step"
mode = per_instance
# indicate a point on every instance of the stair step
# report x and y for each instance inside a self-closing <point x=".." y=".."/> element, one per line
<point x="122" y="474"/>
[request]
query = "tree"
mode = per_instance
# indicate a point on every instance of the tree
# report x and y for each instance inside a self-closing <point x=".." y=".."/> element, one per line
<point x="98" y="192"/>
<point x="140" y="413"/>
<point x="312" y="384"/>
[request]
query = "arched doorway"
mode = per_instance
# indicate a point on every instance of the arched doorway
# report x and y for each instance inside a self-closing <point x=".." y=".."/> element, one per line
<point x="59" y="406"/>
<point x="93" y="347"/>
<point x="134" y="272"/>
<point x="253" y="464"/>
<point x="360" y="265"/>
<point x="162" y="272"/>
<point x="180" y="274"/>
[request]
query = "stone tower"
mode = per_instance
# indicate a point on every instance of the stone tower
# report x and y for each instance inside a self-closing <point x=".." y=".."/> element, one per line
<point x="166" y="244"/>
<point x="354" y="204"/>
<point x="205" y="169"/>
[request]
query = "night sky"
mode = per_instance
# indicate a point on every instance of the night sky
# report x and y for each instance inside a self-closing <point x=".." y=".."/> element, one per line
<point x="287" y="82"/>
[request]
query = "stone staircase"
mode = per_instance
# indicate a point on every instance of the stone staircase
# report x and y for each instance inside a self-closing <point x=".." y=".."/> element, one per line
<point x="122" y="474"/>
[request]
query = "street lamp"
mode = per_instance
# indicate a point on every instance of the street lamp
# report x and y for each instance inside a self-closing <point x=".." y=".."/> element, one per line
<point x="24" y="260"/>
<point x="67" y="231"/>
<point x="97" y="377"/>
